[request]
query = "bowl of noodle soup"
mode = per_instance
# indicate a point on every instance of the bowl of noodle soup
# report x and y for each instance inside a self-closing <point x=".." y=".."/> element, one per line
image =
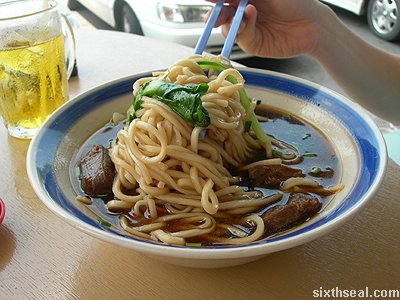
<point x="196" y="184"/>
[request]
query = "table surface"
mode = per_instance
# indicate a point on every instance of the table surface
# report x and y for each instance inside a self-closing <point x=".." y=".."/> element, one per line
<point x="42" y="257"/>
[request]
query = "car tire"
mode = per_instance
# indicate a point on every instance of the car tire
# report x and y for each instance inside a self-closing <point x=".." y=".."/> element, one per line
<point x="73" y="5"/>
<point x="384" y="19"/>
<point x="128" y="22"/>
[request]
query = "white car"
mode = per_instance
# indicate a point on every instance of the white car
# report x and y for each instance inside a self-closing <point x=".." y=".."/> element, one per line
<point x="179" y="21"/>
<point x="382" y="15"/>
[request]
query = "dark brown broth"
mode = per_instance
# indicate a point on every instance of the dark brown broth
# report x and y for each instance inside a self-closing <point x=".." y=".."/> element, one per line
<point x="281" y="125"/>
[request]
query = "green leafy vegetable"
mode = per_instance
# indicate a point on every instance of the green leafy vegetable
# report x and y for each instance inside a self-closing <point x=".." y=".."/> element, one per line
<point x="247" y="126"/>
<point x="184" y="100"/>
<point x="207" y="65"/>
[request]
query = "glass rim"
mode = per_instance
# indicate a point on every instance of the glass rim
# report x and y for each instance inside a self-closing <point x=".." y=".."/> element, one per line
<point x="52" y="5"/>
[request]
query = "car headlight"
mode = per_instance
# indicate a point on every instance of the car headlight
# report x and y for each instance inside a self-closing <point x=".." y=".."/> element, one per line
<point x="182" y="13"/>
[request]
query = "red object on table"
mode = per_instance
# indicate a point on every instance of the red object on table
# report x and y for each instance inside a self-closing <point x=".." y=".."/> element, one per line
<point x="2" y="210"/>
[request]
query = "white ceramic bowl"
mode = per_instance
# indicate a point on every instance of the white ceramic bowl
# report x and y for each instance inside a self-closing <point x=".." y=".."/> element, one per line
<point x="356" y="139"/>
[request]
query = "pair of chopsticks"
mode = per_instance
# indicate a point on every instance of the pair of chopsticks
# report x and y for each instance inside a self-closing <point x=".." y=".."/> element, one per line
<point x="230" y="39"/>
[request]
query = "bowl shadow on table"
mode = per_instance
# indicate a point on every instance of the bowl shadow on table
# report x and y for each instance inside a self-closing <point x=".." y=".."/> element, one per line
<point x="341" y="259"/>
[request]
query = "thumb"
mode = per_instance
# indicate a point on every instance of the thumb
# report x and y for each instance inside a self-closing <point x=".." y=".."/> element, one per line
<point x="247" y="27"/>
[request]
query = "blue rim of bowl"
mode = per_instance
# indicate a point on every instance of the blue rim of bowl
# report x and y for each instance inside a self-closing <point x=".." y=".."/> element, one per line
<point x="359" y="125"/>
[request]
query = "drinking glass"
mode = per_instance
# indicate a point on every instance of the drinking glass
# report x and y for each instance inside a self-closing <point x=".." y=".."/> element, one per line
<point x="34" y="69"/>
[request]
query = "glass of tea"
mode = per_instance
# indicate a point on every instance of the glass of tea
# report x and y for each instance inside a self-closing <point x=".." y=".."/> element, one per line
<point x="34" y="69"/>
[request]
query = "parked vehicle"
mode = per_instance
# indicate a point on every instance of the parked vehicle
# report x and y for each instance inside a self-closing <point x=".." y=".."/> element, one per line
<point x="179" y="21"/>
<point x="382" y="15"/>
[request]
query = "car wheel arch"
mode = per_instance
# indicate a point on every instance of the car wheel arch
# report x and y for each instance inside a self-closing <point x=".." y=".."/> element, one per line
<point x="74" y="5"/>
<point x="118" y="6"/>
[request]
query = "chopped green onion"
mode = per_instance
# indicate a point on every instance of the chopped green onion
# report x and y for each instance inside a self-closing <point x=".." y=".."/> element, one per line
<point x="103" y="223"/>
<point x="277" y="153"/>
<point x="316" y="170"/>
<point x="306" y="136"/>
<point x="307" y="154"/>
<point x="193" y="244"/>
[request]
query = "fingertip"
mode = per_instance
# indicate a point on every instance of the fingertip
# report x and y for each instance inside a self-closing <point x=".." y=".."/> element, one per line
<point x="250" y="13"/>
<point x="249" y="19"/>
<point x="225" y="29"/>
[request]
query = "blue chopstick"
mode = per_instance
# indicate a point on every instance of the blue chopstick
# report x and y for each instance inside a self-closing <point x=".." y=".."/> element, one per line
<point x="230" y="39"/>
<point x="201" y="44"/>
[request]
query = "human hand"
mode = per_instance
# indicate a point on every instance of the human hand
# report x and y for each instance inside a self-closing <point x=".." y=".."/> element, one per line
<point x="276" y="28"/>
